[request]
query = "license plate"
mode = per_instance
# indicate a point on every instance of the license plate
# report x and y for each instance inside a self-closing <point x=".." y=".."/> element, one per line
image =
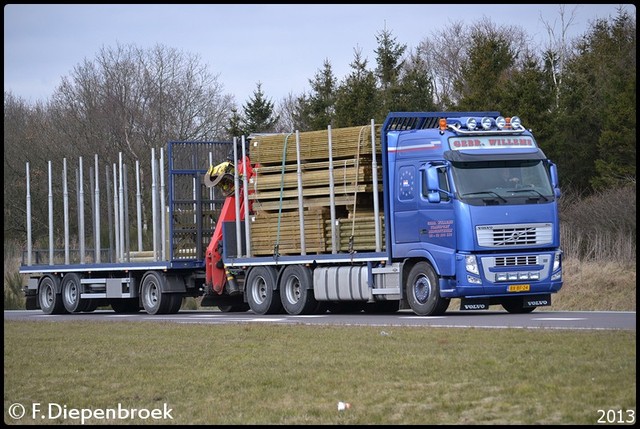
<point x="519" y="288"/>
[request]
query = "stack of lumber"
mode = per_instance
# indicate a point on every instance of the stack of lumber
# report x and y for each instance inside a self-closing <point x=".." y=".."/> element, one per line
<point x="345" y="143"/>
<point x="359" y="226"/>
<point x="283" y="229"/>
<point x="274" y="190"/>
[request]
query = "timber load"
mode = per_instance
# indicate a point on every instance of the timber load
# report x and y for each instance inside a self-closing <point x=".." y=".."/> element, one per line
<point x="298" y="166"/>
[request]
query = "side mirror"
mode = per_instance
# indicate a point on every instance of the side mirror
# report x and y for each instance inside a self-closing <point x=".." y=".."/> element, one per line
<point x="555" y="183"/>
<point x="433" y="184"/>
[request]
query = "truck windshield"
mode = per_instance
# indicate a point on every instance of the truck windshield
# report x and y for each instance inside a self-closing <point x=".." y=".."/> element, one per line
<point x="501" y="182"/>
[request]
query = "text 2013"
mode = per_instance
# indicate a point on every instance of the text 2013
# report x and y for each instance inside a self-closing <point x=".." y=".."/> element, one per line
<point x="616" y="416"/>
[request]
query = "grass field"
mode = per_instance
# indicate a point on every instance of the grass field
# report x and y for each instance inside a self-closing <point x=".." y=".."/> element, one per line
<point x="271" y="374"/>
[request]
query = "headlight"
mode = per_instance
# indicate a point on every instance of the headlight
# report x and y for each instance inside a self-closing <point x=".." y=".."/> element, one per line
<point x="515" y="122"/>
<point x="472" y="264"/>
<point x="557" y="262"/>
<point x="501" y="122"/>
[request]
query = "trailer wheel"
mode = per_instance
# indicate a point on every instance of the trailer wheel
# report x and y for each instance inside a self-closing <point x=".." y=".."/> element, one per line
<point x="50" y="300"/>
<point x="296" y="290"/>
<point x="423" y="291"/>
<point x="260" y="289"/>
<point x="71" y="290"/>
<point x="154" y="300"/>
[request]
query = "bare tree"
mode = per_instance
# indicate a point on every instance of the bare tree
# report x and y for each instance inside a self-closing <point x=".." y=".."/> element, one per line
<point x="129" y="100"/>
<point x="443" y="53"/>
<point x="558" y="48"/>
<point x="446" y="54"/>
<point x="287" y="111"/>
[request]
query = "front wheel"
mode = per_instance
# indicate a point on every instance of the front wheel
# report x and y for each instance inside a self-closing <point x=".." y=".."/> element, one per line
<point x="423" y="291"/>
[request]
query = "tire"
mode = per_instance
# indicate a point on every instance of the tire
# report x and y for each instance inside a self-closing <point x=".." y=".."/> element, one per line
<point x="296" y="290"/>
<point x="423" y="291"/>
<point x="91" y="306"/>
<point x="515" y="307"/>
<point x="154" y="300"/>
<point x="71" y="290"/>
<point x="50" y="301"/>
<point x="260" y="290"/>
<point x="125" y="305"/>
<point x="175" y="303"/>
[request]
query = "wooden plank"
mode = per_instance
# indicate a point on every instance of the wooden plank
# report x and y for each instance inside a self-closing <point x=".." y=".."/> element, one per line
<point x="347" y="142"/>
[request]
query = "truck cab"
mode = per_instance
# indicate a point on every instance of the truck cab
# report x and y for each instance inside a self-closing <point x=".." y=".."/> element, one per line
<point x="474" y="195"/>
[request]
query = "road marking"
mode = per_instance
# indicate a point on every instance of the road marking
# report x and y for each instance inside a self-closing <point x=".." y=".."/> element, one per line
<point x="561" y="319"/>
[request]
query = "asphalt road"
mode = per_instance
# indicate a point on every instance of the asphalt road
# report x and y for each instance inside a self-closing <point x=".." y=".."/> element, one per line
<point x="538" y="319"/>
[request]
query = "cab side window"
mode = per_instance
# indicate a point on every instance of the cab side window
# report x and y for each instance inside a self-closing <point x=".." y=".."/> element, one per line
<point x="444" y="184"/>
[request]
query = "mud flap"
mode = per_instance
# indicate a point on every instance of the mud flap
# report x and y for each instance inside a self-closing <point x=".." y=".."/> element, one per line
<point x="474" y="304"/>
<point x="536" y="300"/>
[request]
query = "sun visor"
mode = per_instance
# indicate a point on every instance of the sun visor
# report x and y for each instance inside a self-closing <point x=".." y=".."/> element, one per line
<point x="478" y="155"/>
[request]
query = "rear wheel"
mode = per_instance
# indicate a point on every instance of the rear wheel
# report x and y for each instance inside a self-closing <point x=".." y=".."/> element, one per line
<point x="260" y="289"/>
<point x="50" y="301"/>
<point x="423" y="291"/>
<point x="296" y="290"/>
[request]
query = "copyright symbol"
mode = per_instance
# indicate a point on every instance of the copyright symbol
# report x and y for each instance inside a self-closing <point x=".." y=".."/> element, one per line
<point x="16" y="411"/>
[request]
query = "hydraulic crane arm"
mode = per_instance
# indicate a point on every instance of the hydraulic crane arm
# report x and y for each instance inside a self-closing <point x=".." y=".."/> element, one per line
<point x="222" y="177"/>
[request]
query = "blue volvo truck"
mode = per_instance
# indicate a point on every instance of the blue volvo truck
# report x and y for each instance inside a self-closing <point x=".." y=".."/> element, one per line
<point x="463" y="205"/>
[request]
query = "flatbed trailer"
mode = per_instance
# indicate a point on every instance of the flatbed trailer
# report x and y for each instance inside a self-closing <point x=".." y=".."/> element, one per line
<point x="441" y="227"/>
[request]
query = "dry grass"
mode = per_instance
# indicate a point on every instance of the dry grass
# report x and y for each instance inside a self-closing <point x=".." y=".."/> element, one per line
<point x="274" y="374"/>
<point x="597" y="286"/>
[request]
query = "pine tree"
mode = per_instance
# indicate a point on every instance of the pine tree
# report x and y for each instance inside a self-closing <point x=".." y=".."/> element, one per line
<point x="320" y="106"/>
<point x="356" y="101"/>
<point x="389" y="65"/>
<point x="259" y="115"/>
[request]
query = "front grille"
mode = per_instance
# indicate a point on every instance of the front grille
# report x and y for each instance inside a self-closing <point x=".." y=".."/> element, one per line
<point x="514" y="235"/>
<point x="514" y="261"/>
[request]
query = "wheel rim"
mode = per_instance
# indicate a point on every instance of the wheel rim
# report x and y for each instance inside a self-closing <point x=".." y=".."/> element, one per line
<point x="151" y="294"/>
<point x="422" y="289"/>
<point x="292" y="289"/>
<point x="71" y="293"/>
<point x="48" y="296"/>
<point x="259" y="290"/>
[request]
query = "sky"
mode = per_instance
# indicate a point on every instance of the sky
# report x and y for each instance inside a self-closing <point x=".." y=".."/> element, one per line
<point x="281" y="46"/>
